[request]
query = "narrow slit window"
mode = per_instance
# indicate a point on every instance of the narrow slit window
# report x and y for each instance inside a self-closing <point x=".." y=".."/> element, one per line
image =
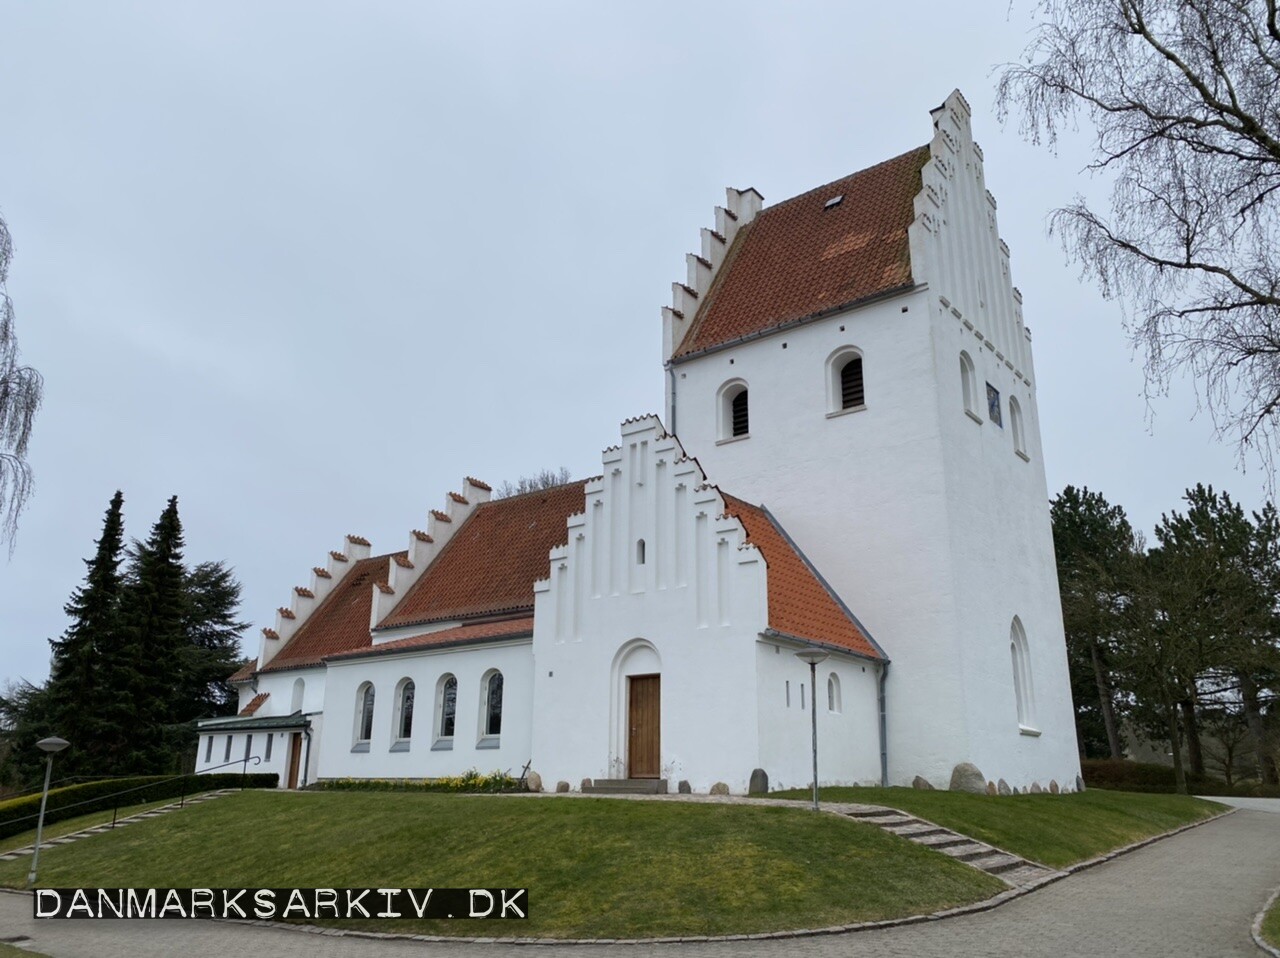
<point x="208" y="750"/>
<point x="852" y="393"/>
<point x="266" y="756"/>
<point x="640" y="552"/>
<point x="226" y="756"/>
<point x="741" y="422"/>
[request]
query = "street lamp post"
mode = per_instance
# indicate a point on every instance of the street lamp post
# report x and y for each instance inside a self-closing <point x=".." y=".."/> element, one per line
<point x="50" y="746"/>
<point x="813" y="657"/>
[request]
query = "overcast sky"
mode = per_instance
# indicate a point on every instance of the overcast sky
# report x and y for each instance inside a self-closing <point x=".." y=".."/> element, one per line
<point x="306" y="265"/>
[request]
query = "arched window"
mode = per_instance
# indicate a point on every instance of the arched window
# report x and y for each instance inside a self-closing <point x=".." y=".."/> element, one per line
<point x="446" y="709"/>
<point x="1023" y="690"/>
<point x="364" y="713"/>
<point x="734" y="414"/>
<point x="404" y="710"/>
<point x="969" y="388"/>
<point x="846" y="390"/>
<point x="852" y="394"/>
<point x="1015" y="423"/>
<point x="491" y="705"/>
<point x="299" y="688"/>
<point x="833" y="693"/>
<point x="640" y="552"/>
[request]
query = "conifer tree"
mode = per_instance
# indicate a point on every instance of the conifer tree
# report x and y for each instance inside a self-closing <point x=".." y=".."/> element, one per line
<point x="85" y="660"/>
<point x="212" y="650"/>
<point x="155" y="613"/>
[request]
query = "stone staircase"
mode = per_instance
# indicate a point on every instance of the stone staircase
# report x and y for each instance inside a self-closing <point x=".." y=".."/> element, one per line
<point x="67" y="839"/>
<point x="1006" y="866"/>
<point x="626" y="786"/>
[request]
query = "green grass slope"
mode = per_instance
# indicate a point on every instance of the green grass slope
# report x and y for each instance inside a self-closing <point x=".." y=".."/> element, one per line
<point x="595" y="868"/>
<point x="1055" y="830"/>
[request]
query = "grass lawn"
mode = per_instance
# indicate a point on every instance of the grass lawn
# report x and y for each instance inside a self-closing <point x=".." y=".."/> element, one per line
<point x="9" y="951"/>
<point x="69" y="825"/>
<point x="595" y="868"/>
<point x="1055" y="830"/>
<point x="1271" y="925"/>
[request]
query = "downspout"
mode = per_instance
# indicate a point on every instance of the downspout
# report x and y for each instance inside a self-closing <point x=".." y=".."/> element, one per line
<point x="884" y="735"/>
<point x="306" y="762"/>
<point x="671" y="425"/>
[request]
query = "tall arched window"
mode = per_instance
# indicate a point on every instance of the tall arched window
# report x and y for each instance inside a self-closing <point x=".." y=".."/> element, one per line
<point x="404" y="710"/>
<point x="969" y="388"/>
<point x="734" y="413"/>
<point x="491" y="705"/>
<point x="364" y="713"/>
<point x="446" y="709"/>
<point x="833" y="693"/>
<point x="299" y="689"/>
<point x="1015" y="423"/>
<point x="1023" y="689"/>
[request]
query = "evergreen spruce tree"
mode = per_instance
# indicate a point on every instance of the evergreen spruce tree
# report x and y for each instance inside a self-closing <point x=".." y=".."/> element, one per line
<point x="85" y="660"/>
<point x="155" y="617"/>
<point x="213" y="635"/>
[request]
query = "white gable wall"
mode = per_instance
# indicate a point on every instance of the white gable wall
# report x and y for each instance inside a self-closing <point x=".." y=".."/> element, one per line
<point x="691" y="611"/>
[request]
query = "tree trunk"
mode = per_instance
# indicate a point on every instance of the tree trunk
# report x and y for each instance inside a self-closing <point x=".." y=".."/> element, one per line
<point x="1267" y="771"/>
<point x="1106" y="701"/>
<point x="1171" y="719"/>
<point x="1195" y="755"/>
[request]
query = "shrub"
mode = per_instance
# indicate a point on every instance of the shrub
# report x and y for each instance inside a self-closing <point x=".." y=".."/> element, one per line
<point x="469" y="781"/>
<point x="1127" y="776"/>
<point x="20" y="814"/>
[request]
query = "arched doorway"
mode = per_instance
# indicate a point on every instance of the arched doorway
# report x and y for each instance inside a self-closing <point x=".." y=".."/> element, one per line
<point x="636" y="735"/>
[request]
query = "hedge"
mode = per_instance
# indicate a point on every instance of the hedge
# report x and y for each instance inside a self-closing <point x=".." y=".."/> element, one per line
<point x="1127" y="776"/>
<point x="20" y="814"/>
<point x="468" y="781"/>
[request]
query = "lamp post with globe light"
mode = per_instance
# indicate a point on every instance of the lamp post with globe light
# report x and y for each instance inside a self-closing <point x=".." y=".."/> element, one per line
<point x="813" y="657"/>
<point x="50" y="746"/>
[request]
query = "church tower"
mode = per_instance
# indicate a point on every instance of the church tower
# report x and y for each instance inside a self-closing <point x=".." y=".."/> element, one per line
<point x="854" y="359"/>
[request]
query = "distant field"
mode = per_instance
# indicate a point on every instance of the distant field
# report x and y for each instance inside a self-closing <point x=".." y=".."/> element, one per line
<point x="1055" y="830"/>
<point x="596" y="868"/>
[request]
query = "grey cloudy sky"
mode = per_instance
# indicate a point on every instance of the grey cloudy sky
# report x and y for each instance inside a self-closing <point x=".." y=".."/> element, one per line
<point x="306" y="265"/>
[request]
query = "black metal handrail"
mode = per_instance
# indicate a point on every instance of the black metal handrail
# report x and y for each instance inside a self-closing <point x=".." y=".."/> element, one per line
<point x="243" y="762"/>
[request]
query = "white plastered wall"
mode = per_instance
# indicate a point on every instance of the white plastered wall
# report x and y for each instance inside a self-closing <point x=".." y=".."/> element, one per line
<point x="692" y="611"/>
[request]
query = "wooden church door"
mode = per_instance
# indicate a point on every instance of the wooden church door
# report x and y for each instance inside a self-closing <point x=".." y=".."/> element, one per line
<point x="644" y="714"/>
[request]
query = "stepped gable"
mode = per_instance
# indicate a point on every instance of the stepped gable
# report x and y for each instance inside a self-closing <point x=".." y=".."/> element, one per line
<point x="340" y="623"/>
<point x="800" y="603"/>
<point x="491" y="562"/>
<point x="460" y="635"/>
<point x="799" y="258"/>
<point x="255" y="703"/>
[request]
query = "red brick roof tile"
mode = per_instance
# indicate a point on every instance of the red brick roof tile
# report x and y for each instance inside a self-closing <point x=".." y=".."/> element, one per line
<point x="800" y="604"/>
<point x="797" y="259"/>
<point x="490" y="564"/>
<point x="479" y="485"/>
<point x="322" y="573"/>
<point x="245" y="672"/>
<point x="478" y="632"/>
<point x="338" y="556"/>
<point x="358" y="540"/>
<point x="338" y="624"/>
<point x="255" y="703"/>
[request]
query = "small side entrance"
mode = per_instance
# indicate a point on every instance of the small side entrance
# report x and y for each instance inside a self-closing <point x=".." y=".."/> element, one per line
<point x="295" y="757"/>
<point x="644" y="712"/>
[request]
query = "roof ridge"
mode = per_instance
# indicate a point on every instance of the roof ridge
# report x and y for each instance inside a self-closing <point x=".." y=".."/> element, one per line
<point x="830" y="183"/>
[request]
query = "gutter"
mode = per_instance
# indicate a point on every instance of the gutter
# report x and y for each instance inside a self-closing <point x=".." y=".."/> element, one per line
<point x="791" y="324"/>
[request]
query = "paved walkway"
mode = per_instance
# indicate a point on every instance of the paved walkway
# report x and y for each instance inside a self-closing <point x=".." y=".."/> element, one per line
<point x="1191" y="895"/>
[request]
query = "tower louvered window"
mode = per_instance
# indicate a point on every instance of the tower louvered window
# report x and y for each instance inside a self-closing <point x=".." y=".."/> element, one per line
<point x="739" y="414"/>
<point x="852" y="393"/>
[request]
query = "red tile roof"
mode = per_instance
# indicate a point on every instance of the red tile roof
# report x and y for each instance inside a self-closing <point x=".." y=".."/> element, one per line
<point x="800" y="604"/>
<point x="797" y="259"/>
<point x="339" y="623"/>
<point x="255" y="703"/>
<point x="245" y="672"/>
<point x="490" y="564"/>
<point x="460" y="635"/>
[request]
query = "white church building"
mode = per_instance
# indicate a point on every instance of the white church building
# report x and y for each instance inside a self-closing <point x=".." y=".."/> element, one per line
<point x="849" y="462"/>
